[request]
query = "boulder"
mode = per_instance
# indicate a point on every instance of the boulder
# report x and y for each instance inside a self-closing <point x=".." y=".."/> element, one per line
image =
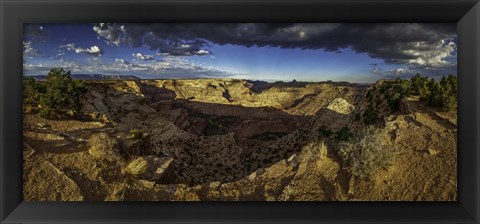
<point x="138" y="146"/>
<point x="404" y="107"/>
<point x="341" y="106"/>
<point x="160" y="170"/>
<point x="433" y="151"/>
<point x="293" y="160"/>
<point x="42" y="125"/>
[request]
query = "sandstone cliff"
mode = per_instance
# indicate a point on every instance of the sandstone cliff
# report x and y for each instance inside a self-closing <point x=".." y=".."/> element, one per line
<point x="227" y="139"/>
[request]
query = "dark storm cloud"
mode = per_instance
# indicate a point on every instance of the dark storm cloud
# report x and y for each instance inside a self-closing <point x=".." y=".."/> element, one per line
<point x="422" y="45"/>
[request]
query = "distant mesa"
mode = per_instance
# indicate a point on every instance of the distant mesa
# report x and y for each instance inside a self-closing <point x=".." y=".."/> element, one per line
<point x="93" y="77"/>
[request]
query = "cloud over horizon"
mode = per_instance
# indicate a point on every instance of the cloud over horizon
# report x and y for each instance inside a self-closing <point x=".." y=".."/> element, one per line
<point x="282" y="51"/>
<point x="168" y="67"/>
<point x="143" y="57"/>
<point x="28" y="50"/>
<point x="421" y="45"/>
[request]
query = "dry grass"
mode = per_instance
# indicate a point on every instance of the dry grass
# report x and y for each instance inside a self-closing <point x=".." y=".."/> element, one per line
<point x="117" y="192"/>
<point x="136" y="134"/>
<point x="137" y="166"/>
<point x="368" y="153"/>
<point x="323" y="151"/>
<point x="102" y="146"/>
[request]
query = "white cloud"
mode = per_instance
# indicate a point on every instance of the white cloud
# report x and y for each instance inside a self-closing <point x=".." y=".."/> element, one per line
<point x="376" y="71"/>
<point x="431" y="55"/>
<point x="70" y="46"/>
<point x="93" y="50"/>
<point x="143" y="57"/>
<point x="168" y="67"/>
<point x="399" y="71"/>
<point x="121" y="61"/>
<point x="202" y="52"/>
<point x="111" y="34"/>
<point x="28" y="50"/>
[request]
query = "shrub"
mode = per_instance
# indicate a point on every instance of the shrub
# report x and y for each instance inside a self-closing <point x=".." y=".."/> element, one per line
<point x="448" y="87"/>
<point x="441" y="94"/>
<point x="213" y="129"/>
<point x="393" y="101"/>
<point x="418" y="84"/>
<point x="324" y="131"/>
<point x="370" y="116"/>
<point x="367" y="154"/>
<point x="61" y="93"/>
<point x="137" y="166"/>
<point x="32" y="90"/>
<point x="343" y="134"/>
<point x="449" y="103"/>
<point x="356" y="117"/>
<point x="393" y="92"/>
<point x="117" y="192"/>
<point x="370" y="93"/>
<point x="323" y="152"/>
<point x="102" y="146"/>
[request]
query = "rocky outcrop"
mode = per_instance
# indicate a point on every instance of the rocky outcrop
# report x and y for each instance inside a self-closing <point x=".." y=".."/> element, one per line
<point x="140" y="146"/>
<point x="405" y="107"/>
<point x="45" y="181"/>
<point x="159" y="170"/>
<point x="224" y="139"/>
<point x="341" y="106"/>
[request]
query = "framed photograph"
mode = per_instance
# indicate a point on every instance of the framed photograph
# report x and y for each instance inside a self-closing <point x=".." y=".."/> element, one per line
<point x="229" y="111"/>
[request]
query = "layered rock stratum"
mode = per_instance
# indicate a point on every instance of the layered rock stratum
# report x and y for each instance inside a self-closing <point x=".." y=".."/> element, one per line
<point x="228" y="139"/>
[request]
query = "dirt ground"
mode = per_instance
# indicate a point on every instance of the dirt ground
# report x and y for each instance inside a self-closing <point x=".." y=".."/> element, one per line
<point x="59" y="167"/>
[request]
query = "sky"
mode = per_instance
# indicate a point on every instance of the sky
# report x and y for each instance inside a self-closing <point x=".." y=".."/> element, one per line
<point x="356" y="52"/>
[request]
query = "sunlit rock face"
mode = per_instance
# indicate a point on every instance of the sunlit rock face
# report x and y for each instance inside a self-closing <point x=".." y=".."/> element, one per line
<point x="226" y="139"/>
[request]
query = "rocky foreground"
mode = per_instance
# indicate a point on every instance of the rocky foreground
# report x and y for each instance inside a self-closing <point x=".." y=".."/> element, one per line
<point x="225" y="139"/>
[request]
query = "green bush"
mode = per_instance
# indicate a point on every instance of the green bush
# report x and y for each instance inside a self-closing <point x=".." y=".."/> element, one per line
<point x="393" y="101"/>
<point x="325" y="131"/>
<point x="370" y="116"/>
<point x="418" y="85"/>
<point x="370" y="93"/>
<point x="58" y="93"/>
<point x="441" y="94"/>
<point x="32" y="90"/>
<point x="343" y="135"/>
<point x="393" y="92"/>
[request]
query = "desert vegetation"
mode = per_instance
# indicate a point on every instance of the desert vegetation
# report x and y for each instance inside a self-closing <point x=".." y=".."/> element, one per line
<point x="59" y="93"/>
<point x="137" y="166"/>
<point x="104" y="147"/>
<point x="384" y="99"/>
<point x="369" y="152"/>
<point x="222" y="139"/>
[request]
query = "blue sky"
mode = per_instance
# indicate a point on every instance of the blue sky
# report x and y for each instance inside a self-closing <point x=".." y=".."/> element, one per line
<point x="306" y="52"/>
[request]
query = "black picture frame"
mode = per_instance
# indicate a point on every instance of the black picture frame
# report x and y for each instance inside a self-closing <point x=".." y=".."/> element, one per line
<point x="466" y="13"/>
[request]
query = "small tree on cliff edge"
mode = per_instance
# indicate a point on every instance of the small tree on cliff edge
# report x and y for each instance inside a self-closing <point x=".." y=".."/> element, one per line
<point x="62" y="93"/>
